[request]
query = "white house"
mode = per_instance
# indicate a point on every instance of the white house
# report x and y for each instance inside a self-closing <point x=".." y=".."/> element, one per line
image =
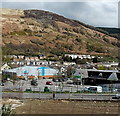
<point x="5" y="67"/>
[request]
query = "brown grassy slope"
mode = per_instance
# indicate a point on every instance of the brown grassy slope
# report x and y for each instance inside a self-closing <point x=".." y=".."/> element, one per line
<point x="50" y="33"/>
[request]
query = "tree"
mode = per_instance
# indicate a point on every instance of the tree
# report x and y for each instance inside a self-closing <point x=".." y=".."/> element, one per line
<point x="80" y="61"/>
<point x="95" y="60"/>
<point x="67" y="58"/>
<point x="70" y="71"/>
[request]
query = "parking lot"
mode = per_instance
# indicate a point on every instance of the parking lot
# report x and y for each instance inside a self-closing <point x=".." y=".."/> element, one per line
<point x="55" y="86"/>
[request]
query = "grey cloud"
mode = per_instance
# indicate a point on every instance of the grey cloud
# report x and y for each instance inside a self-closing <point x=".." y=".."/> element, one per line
<point x="119" y="14"/>
<point x="92" y="13"/>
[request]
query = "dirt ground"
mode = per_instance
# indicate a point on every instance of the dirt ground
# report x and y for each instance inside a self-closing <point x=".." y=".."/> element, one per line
<point x="67" y="107"/>
<point x="35" y="106"/>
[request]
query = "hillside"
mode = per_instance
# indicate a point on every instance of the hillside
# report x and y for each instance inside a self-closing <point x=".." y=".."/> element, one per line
<point x="115" y="32"/>
<point x="33" y="32"/>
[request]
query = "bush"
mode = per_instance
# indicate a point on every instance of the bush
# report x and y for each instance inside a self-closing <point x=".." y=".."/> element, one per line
<point x="106" y="40"/>
<point x="38" y="35"/>
<point x="113" y="43"/>
<point x="22" y="22"/>
<point x="7" y="110"/>
<point x="69" y="46"/>
<point x="90" y="48"/>
<point x="66" y="29"/>
<point x="37" y="41"/>
<point x="99" y="50"/>
<point x="76" y="30"/>
<point x="78" y="39"/>
<point x="80" y="61"/>
<point x="58" y="37"/>
<point x="58" y="52"/>
<point x="27" y="30"/>
<point x="68" y="34"/>
<point x="116" y="44"/>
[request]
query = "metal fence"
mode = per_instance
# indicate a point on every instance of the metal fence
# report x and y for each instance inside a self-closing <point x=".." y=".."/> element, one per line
<point x="23" y="89"/>
<point x="54" y="95"/>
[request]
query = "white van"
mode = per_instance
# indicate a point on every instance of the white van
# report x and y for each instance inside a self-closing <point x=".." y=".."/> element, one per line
<point x="94" y="89"/>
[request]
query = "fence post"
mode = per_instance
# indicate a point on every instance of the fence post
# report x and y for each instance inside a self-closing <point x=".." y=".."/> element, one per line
<point x="69" y="95"/>
<point x="109" y="96"/>
<point x="19" y="89"/>
<point x="71" y="91"/>
<point x="96" y="96"/>
<point x="53" y="95"/>
<point x="39" y="92"/>
<point x="81" y="95"/>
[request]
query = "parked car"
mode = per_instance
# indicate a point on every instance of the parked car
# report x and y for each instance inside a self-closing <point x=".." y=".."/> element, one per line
<point x="46" y="89"/>
<point x="55" y="80"/>
<point x="59" y="80"/>
<point x="69" y="81"/>
<point x="93" y="89"/>
<point x="117" y="96"/>
<point x="116" y="90"/>
<point x="64" y="79"/>
<point x="8" y="79"/>
<point x="49" y="83"/>
<point x="28" y="90"/>
<point x="2" y="84"/>
<point x="34" y="82"/>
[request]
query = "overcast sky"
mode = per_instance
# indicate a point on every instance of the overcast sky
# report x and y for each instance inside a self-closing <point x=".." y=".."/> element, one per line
<point x="92" y="13"/>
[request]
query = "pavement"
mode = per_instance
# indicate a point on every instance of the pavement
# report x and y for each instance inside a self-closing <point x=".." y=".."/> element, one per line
<point x="77" y="96"/>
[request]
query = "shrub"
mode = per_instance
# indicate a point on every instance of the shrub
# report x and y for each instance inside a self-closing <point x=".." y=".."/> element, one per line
<point x="7" y="110"/>
<point x="80" y="61"/>
<point x="57" y="52"/>
<point x="116" y="44"/>
<point x="66" y="29"/>
<point x="106" y="40"/>
<point x="37" y="41"/>
<point x="38" y="35"/>
<point x="90" y="48"/>
<point x="27" y="30"/>
<point x="76" y="30"/>
<point x="99" y="50"/>
<point x="58" y="37"/>
<point x="78" y="39"/>
<point x="67" y="33"/>
<point x="69" y="46"/>
<point x="22" y="22"/>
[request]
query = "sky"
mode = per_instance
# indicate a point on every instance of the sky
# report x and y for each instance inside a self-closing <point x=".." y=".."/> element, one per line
<point x="95" y="13"/>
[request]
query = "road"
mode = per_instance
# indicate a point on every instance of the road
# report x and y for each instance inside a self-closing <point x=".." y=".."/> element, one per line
<point x="59" y="96"/>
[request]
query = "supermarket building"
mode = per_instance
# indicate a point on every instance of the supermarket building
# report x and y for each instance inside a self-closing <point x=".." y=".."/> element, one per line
<point x="32" y="72"/>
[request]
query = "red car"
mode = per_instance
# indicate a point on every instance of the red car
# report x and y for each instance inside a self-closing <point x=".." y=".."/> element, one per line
<point x="49" y="83"/>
